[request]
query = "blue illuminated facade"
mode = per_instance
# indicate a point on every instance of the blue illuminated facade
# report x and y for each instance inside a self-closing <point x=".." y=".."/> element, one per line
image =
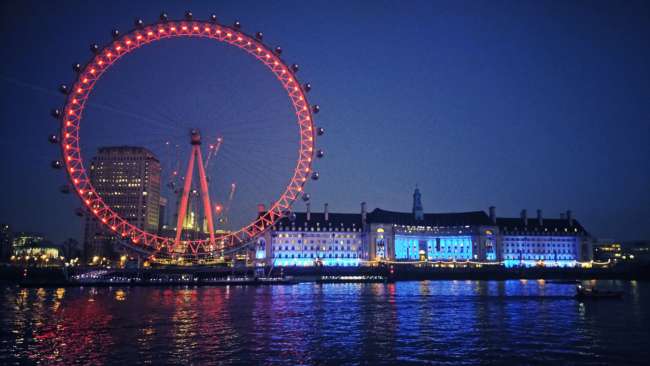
<point x="349" y="239"/>
<point x="445" y="248"/>
<point x="542" y="241"/>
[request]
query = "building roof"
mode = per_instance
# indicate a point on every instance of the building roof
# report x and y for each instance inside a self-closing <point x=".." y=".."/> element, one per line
<point x="507" y="224"/>
<point x="345" y="220"/>
<point x="474" y="218"/>
<point x="353" y="220"/>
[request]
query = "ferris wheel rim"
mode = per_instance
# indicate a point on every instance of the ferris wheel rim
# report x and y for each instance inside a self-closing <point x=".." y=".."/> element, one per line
<point x="121" y="45"/>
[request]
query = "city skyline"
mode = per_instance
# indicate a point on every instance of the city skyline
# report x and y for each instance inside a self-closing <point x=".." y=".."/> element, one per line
<point x="536" y="126"/>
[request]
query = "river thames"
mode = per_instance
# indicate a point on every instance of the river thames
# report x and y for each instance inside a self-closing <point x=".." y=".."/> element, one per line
<point x="450" y="322"/>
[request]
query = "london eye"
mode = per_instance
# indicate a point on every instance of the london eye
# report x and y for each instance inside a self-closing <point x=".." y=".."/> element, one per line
<point x="214" y="242"/>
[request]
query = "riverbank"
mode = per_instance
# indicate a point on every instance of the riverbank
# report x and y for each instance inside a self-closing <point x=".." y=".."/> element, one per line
<point x="224" y="276"/>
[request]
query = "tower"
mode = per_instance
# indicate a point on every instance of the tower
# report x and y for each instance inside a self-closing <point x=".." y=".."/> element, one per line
<point x="418" y="212"/>
<point x="195" y="155"/>
<point x="128" y="180"/>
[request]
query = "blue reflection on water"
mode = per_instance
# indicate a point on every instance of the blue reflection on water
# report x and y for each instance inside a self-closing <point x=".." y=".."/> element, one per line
<point x="437" y="321"/>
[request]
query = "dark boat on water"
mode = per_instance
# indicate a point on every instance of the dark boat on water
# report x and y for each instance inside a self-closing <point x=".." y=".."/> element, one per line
<point x="594" y="293"/>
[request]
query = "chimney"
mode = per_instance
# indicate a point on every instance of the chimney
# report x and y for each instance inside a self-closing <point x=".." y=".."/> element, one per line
<point x="326" y="212"/>
<point x="493" y="215"/>
<point x="540" y="220"/>
<point x="363" y="213"/>
<point x="569" y="217"/>
<point x="308" y="211"/>
<point x="562" y="216"/>
<point x="524" y="217"/>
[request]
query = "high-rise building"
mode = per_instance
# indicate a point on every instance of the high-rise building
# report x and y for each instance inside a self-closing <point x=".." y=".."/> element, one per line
<point x="6" y="242"/>
<point x="127" y="178"/>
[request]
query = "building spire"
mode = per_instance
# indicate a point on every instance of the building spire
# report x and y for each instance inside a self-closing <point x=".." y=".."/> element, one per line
<point x="418" y="212"/>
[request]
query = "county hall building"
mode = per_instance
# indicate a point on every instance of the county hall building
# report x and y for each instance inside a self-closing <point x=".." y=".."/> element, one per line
<point x="350" y="239"/>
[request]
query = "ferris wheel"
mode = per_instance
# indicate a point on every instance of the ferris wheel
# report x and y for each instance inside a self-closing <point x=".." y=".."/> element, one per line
<point x="79" y="94"/>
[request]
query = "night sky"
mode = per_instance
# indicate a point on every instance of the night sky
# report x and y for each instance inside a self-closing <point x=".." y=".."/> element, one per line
<point x="522" y="104"/>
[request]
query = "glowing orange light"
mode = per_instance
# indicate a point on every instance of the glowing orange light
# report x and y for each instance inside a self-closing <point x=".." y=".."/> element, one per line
<point x="67" y="147"/>
<point x="173" y="29"/>
<point x="290" y="80"/>
<point x="299" y="189"/>
<point x="240" y="39"/>
<point x="74" y="101"/>
<point x="138" y="37"/>
<point x="309" y="160"/>
<point x="128" y="42"/>
<point x="184" y="27"/>
<point x="87" y="202"/>
<point x="67" y="135"/>
<point x="100" y="62"/>
<point x="79" y="90"/>
<point x="150" y="33"/>
<point x="81" y="191"/>
<point x="76" y="181"/>
<point x="283" y="72"/>
<point x="307" y="170"/>
<point x="68" y="123"/>
<point x="218" y="208"/>
<point x="92" y="71"/>
<point x="113" y="228"/>
<point x="161" y="30"/>
<point x="71" y="170"/>
<point x="69" y="158"/>
<point x="218" y="31"/>
<point x="103" y="220"/>
<point x="259" y="49"/>
<point x="295" y="88"/>
<point x="207" y="29"/>
<point x="94" y="211"/>
<point x="304" y="108"/>
<point x="196" y="28"/>
<point x="85" y="80"/>
<point x="118" y="48"/>
<point x="228" y="34"/>
<point x="109" y="54"/>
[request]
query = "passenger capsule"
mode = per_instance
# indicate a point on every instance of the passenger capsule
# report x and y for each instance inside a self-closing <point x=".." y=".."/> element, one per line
<point x="315" y="176"/>
<point x="307" y="87"/>
<point x="292" y="217"/>
<point x="76" y="67"/>
<point x="57" y="164"/>
<point x="259" y="35"/>
<point x="315" y="108"/>
<point x="237" y="24"/>
<point x="63" y="89"/>
<point x="53" y="139"/>
<point x="79" y="212"/>
<point x="56" y="113"/>
<point x="115" y="33"/>
<point x="295" y="67"/>
<point x="320" y="153"/>
<point x="320" y="131"/>
<point x="138" y="23"/>
<point x="213" y="17"/>
<point x="188" y="15"/>
<point x="278" y="50"/>
<point x="164" y="17"/>
<point x="306" y="197"/>
<point x="94" y="48"/>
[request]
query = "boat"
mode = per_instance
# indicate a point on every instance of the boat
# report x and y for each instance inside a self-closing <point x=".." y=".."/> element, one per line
<point x="594" y="293"/>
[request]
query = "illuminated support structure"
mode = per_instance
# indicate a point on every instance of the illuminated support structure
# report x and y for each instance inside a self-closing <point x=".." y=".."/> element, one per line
<point x="195" y="155"/>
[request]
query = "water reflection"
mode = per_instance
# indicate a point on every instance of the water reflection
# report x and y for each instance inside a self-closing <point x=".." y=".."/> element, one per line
<point x="437" y="321"/>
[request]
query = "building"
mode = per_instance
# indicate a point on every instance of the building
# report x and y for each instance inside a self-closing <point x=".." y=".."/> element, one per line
<point x="349" y="239"/>
<point x="415" y="236"/>
<point x="551" y="242"/>
<point x="307" y="239"/>
<point x="128" y="180"/>
<point x="6" y="242"/>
